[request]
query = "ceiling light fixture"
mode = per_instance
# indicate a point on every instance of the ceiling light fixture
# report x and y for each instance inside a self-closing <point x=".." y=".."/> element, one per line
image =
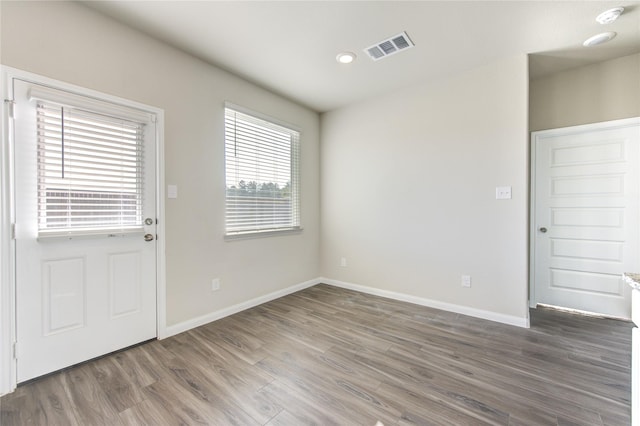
<point x="599" y="39"/>
<point x="345" y="57"/>
<point x="610" y="15"/>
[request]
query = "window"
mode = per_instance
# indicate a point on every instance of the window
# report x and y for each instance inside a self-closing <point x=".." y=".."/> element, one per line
<point x="89" y="171"/>
<point x="262" y="175"/>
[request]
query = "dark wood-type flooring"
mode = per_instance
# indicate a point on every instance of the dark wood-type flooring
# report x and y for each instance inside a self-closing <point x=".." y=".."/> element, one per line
<point x="327" y="355"/>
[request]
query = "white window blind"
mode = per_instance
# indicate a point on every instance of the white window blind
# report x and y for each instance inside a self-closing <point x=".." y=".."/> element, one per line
<point x="89" y="171"/>
<point x="262" y="174"/>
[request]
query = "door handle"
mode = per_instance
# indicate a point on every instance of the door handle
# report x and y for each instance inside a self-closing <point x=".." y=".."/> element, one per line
<point x="148" y="237"/>
<point x="543" y="229"/>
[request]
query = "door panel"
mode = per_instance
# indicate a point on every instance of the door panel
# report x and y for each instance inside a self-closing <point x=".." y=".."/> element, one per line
<point x="584" y="281"/>
<point x="586" y="216"/>
<point x="587" y="186"/>
<point x="79" y="295"/>
<point x="64" y="305"/>
<point x="125" y="283"/>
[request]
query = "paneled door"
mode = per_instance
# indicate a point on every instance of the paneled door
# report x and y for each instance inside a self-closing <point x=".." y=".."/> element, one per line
<point x="585" y="234"/>
<point x="85" y="229"/>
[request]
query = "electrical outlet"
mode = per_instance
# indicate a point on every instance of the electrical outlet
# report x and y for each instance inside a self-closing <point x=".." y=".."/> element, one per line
<point x="343" y="262"/>
<point x="215" y="284"/>
<point x="466" y="281"/>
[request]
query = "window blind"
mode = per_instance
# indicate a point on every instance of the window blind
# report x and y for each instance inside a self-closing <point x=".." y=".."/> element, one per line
<point x="89" y="171"/>
<point x="262" y="169"/>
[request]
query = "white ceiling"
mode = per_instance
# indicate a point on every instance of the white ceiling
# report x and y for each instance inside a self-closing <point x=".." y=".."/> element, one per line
<point x="290" y="47"/>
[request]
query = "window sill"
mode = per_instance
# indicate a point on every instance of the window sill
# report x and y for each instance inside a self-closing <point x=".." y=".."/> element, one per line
<point x="247" y="235"/>
<point x="88" y="234"/>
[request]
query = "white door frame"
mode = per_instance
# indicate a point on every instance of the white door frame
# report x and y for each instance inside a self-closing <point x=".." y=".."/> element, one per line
<point x="532" y="213"/>
<point x="8" y="377"/>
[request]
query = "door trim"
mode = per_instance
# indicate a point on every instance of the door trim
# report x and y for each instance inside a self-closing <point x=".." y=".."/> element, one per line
<point x="635" y="121"/>
<point x="8" y="376"/>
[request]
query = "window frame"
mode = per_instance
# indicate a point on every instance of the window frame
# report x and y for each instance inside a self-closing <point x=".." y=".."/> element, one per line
<point x="296" y="226"/>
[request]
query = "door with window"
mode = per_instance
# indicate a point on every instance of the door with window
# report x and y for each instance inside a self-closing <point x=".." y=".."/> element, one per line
<point x="586" y="216"/>
<point x="85" y="208"/>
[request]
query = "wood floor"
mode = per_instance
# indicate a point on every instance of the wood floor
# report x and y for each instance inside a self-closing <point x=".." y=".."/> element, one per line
<point x="327" y="356"/>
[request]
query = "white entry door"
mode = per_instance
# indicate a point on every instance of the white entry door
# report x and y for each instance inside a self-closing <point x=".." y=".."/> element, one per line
<point x="585" y="216"/>
<point x="85" y="197"/>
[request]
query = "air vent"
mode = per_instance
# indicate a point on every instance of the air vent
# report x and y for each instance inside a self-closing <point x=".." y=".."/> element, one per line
<point x="389" y="47"/>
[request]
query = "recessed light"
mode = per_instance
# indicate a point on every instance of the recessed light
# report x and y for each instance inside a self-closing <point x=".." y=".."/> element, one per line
<point x="345" y="57"/>
<point x="599" y="39"/>
<point x="610" y="15"/>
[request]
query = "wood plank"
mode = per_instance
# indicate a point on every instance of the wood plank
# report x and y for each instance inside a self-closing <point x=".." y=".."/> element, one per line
<point x="90" y="401"/>
<point x="328" y="355"/>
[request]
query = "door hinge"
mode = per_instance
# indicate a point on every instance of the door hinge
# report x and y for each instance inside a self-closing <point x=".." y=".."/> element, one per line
<point x="13" y="231"/>
<point x="10" y="104"/>
<point x="15" y="350"/>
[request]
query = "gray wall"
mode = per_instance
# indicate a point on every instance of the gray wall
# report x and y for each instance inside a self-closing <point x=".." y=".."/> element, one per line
<point x="601" y="92"/>
<point x="408" y="190"/>
<point x="69" y="42"/>
<point x="408" y="180"/>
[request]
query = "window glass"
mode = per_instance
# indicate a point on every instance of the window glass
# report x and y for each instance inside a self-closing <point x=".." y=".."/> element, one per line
<point x="262" y="188"/>
<point x="89" y="171"/>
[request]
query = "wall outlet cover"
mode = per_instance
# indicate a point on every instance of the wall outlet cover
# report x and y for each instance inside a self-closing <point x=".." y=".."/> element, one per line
<point x="215" y="284"/>
<point x="466" y="281"/>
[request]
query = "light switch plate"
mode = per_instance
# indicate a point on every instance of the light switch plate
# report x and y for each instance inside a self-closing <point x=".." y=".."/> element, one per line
<point x="503" y="192"/>
<point x="172" y="191"/>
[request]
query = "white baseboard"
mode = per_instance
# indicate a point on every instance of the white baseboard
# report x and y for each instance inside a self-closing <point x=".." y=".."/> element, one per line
<point x="213" y="316"/>
<point x="464" y="310"/>
<point x="459" y="309"/>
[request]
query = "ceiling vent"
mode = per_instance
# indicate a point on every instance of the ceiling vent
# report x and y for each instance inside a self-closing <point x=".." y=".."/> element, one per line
<point x="389" y="46"/>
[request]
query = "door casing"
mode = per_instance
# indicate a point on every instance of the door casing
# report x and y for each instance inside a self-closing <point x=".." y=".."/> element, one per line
<point x="8" y="377"/>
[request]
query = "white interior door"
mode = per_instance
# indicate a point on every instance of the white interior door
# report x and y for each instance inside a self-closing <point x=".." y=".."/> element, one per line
<point x="84" y="185"/>
<point x="585" y="216"/>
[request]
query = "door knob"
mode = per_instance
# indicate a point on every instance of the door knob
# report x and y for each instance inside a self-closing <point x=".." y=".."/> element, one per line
<point x="543" y="229"/>
<point x="148" y="237"/>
